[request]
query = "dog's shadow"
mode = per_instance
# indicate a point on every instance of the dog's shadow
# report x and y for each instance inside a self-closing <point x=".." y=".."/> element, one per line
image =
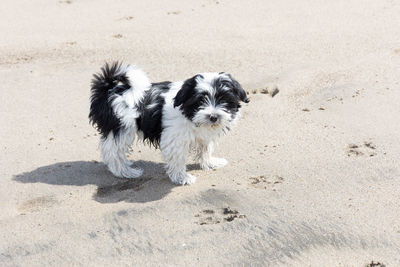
<point x="153" y="185"/>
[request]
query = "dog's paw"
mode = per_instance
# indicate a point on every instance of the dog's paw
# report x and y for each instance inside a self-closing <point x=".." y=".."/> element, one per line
<point x="213" y="163"/>
<point x="189" y="179"/>
<point x="183" y="179"/>
<point x="130" y="172"/>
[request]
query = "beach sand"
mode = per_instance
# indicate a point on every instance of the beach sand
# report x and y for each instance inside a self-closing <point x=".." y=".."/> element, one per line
<point x="313" y="177"/>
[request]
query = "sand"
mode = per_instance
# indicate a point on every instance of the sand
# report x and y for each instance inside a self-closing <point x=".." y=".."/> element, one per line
<point x="313" y="177"/>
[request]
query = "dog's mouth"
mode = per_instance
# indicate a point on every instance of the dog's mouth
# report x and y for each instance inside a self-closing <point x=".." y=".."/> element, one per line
<point x="212" y="125"/>
<point x="215" y="125"/>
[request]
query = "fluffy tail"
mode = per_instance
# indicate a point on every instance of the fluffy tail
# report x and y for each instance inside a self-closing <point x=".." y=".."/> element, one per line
<point x="116" y="92"/>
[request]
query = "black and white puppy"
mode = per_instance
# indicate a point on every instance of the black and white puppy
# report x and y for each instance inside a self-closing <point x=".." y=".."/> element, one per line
<point x="177" y="117"/>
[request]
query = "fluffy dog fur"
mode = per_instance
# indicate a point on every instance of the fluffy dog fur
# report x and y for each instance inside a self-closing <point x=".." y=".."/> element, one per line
<point x="177" y="117"/>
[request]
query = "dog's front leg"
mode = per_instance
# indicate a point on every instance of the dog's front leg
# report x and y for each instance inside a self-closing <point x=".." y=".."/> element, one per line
<point x="206" y="160"/>
<point x="175" y="150"/>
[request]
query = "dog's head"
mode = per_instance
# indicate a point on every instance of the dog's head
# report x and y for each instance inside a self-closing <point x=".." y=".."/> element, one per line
<point x="210" y="99"/>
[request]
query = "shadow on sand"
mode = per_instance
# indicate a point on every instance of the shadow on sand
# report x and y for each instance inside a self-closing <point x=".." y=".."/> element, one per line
<point x="153" y="185"/>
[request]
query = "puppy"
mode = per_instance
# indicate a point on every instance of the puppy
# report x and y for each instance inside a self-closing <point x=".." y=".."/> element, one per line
<point x="177" y="117"/>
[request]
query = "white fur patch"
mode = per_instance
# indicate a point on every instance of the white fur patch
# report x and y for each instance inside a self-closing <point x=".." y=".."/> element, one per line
<point x="125" y="106"/>
<point x="113" y="153"/>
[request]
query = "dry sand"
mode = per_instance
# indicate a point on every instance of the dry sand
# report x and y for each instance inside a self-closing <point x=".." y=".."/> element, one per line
<point x="314" y="176"/>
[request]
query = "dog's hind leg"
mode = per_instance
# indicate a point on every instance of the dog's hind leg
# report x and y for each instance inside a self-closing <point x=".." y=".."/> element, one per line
<point x="205" y="159"/>
<point x="113" y="153"/>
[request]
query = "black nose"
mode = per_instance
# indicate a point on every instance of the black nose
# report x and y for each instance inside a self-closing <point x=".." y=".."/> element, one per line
<point x="213" y="118"/>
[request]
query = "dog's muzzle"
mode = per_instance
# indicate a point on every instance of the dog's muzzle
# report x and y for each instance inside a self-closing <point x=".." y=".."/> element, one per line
<point x="213" y="118"/>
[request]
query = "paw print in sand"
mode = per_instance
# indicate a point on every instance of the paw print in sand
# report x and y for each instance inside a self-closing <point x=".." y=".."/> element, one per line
<point x="209" y="216"/>
<point x="264" y="181"/>
<point x="271" y="90"/>
<point x="368" y="148"/>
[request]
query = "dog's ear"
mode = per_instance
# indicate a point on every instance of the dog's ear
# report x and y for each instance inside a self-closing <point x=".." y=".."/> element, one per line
<point x="238" y="89"/>
<point x="186" y="91"/>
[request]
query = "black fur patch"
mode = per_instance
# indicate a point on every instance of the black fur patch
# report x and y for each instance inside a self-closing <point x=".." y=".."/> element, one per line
<point x="237" y="89"/>
<point x="111" y="80"/>
<point x="150" y="108"/>
<point x="187" y="97"/>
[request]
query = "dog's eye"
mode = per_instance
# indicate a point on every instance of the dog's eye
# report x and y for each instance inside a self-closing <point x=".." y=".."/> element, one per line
<point x="203" y="99"/>
<point x="204" y="96"/>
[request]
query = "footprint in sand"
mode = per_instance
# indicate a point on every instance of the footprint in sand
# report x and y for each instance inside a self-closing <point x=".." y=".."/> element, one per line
<point x="367" y="148"/>
<point x="265" y="181"/>
<point x="117" y="36"/>
<point x="174" y="12"/>
<point x="37" y="204"/>
<point x="269" y="90"/>
<point x="375" y="264"/>
<point x="17" y="60"/>
<point x="358" y="92"/>
<point x="209" y="216"/>
<point x="132" y="184"/>
<point x="125" y="18"/>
